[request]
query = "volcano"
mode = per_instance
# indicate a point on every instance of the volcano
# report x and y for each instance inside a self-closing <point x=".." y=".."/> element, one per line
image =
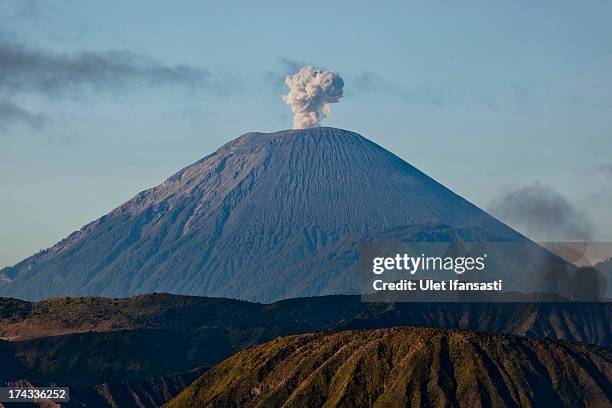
<point x="265" y="217"/>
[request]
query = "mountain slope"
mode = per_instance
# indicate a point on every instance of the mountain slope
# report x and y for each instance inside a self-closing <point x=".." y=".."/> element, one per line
<point x="151" y="393"/>
<point x="132" y="394"/>
<point x="406" y="367"/>
<point x="265" y="217"/>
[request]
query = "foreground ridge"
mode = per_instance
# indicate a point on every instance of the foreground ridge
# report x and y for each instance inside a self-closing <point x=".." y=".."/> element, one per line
<point x="407" y="367"/>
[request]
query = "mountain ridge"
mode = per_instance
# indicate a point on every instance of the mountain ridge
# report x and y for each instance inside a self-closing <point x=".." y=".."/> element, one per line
<point x="406" y="367"/>
<point x="109" y="349"/>
<point x="22" y="320"/>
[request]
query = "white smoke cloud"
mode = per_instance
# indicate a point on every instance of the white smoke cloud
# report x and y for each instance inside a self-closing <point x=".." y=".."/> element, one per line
<point x="311" y="92"/>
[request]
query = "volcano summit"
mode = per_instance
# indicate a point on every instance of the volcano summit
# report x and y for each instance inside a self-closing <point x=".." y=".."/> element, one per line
<point x="265" y="217"/>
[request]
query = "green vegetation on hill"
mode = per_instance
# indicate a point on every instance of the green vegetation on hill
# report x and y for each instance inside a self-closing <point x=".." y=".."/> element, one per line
<point x="406" y="367"/>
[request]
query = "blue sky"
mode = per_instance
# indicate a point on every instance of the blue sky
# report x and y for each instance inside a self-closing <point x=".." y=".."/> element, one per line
<point x="493" y="99"/>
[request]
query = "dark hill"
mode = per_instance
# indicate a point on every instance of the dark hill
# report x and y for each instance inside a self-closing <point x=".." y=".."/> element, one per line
<point x="138" y="394"/>
<point x="407" y="367"/>
<point x="21" y="320"/>
<point x="265" y="217"/>
<point x="87" y="341"/>
<point x="110" y="349"/>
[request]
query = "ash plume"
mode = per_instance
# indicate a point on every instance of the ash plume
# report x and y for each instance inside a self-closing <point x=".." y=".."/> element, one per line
<point x="311" y="93"/>
<point x="542" y="213"/>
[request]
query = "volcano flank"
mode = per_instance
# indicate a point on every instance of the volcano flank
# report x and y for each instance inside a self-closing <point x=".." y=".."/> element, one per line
<point x="267" y="216"/>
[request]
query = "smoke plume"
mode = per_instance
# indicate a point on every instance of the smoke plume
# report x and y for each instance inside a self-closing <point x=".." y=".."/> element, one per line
<point x="542" y="213"/>
<point x="311" y="93"/>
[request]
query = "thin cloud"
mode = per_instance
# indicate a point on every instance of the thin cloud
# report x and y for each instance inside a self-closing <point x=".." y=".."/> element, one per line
<point x="25" y="69"/>
<point x="371" y="82"/>
<point x="368" y="82"/>
<point x="488" y="102"/>
<point x="31" y="71"/>
<point x="605" y="169"/>
<point x="32" y="9"/>
<point x="11" y="113"/>
<point x="276" y="78"/>
<point x="604" y="183"/>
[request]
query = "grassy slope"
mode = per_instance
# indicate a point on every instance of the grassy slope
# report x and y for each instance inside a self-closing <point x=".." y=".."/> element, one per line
<point x="406" y="367"/>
